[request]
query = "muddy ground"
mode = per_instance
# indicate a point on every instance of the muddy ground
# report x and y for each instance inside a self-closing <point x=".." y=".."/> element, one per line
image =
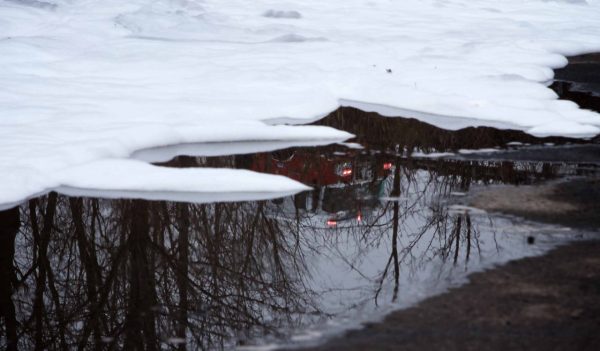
<point x="573" y="202"/>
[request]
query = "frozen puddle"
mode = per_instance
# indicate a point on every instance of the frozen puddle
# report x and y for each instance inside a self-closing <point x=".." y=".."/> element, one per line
<point x="374" y="230"/>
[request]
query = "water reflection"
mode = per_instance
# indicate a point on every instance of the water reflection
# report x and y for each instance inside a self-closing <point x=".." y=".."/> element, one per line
<point x="376" y="229"/>
<point x="92" y="273"/>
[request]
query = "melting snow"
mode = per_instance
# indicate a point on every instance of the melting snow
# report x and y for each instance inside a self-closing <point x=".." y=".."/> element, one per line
<point x="282" y="14"/>
<point x="86" y="81"/>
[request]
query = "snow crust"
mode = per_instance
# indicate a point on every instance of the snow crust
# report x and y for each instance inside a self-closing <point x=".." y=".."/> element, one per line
<point x="166" y="153"/>
<point x="132" y="178"/>
<point x="83" y="81"/>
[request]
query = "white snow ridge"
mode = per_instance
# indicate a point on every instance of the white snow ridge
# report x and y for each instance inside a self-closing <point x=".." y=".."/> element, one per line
<point x="84" y="84"/>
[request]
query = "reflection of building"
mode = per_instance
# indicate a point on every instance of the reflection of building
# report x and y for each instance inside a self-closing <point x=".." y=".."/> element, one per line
<point x="316" y="170"/>
<point x="346" y="184"/>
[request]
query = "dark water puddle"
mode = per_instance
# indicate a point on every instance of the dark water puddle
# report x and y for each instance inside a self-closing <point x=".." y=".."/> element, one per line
<point x="380" y="230"/>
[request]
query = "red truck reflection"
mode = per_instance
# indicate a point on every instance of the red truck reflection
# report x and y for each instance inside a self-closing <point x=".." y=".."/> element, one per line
<point x="346" y="184"/>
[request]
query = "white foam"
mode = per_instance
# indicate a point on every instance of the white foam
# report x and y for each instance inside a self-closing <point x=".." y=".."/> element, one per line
<point x="291" y="14"/>
<point x="166" y="153"/>
<point x="84" y="81"/>
<point x="419" y="154"/>
<point x="478" y="151"/>
<point x="138" y="176"/>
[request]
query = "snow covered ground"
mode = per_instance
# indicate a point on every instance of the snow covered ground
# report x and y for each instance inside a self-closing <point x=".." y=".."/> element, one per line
<point x="85" y="83"/>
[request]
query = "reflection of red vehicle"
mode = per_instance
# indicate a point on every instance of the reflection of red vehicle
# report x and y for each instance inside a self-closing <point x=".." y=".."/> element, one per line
<point x="333" y="222"/>
<point x="346" y="172"/>
<point x="308" y="169"/>
<point x="345" y="184"/>
<point x="314" y="169"/>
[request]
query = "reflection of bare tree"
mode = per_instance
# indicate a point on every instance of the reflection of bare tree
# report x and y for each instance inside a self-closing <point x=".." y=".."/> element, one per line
<point x="414" y="193"/>
<point x="462" y="231"/>
<point x="145" y="275"/>
<point x="140" y="319"/>
<point x="9" y="226"/>
<point x="413" y="223"/>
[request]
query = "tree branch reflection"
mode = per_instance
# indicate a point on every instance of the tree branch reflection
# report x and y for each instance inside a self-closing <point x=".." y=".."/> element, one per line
<point x="83" y="273"/>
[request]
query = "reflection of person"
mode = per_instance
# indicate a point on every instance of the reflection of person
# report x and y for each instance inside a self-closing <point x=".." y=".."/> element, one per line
<point x="315" y="197"/>
<point x="9" y="226"/>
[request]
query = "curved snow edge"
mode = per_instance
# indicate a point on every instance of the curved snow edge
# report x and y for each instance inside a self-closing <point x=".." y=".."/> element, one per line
<point x="125" y="178"/>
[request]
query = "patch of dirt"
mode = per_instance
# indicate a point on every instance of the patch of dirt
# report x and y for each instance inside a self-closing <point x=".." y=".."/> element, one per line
<point x="574" y="203"/>
<point x="521" y="199"/>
